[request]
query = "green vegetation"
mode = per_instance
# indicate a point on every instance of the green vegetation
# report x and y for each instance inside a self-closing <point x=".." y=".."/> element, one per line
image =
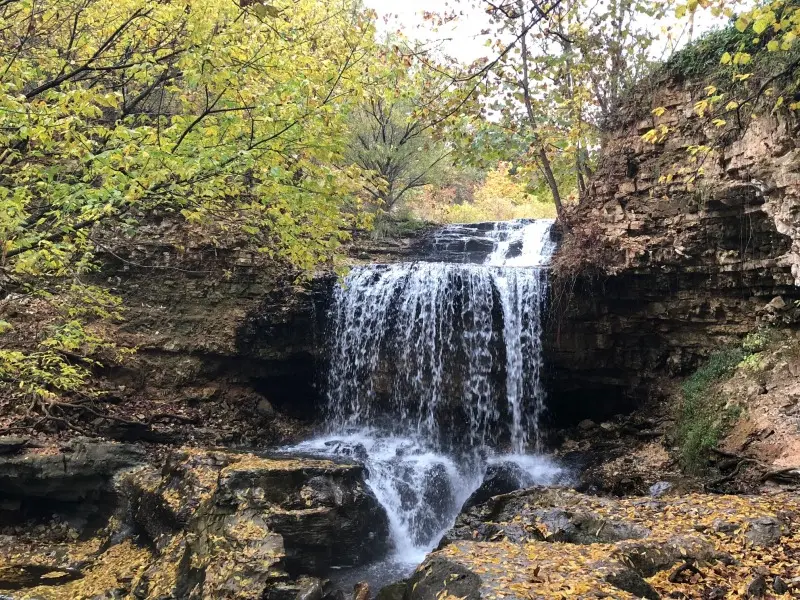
<point x="702" y="418"/>
<point x="701" y="58"/>
<point x="704" y="415"/>
<point x="402" y="223"/>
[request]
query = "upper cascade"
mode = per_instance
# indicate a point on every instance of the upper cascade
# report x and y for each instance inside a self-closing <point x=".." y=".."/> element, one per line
<point x="448" y="348"/>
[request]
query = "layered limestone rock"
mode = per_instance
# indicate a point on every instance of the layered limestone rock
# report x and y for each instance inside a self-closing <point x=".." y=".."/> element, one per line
<point x="227" y="340"/>
<point x="204" y="524"/>
<point x="674" y="253"/>
<point x="556" y="543"/>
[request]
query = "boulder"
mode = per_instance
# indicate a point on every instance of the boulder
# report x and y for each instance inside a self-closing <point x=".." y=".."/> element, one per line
<point x="393" y="591"/>
<point x="535" y="514"/>
<point x="316" y="514"/>
<point x="361" y="591"/>
<point x="502" y="478"/>
<point x="78" y="471"/>
<point x="204" y="524"/>
<point x="764" y="531"/>
<point x="660" y="488"/>
<point x="442" y="578"/>
<point x="12" y="444"/>
<point x="475" y="570"/>
<point x="648" y="557"/>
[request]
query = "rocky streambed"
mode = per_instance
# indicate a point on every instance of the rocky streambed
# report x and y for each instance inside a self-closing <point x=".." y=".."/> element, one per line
<point x="102" y="520"/>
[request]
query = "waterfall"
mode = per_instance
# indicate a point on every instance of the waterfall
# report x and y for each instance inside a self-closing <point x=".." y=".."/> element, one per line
<point x="435" y="374"/>
<point x="419" y="343"/>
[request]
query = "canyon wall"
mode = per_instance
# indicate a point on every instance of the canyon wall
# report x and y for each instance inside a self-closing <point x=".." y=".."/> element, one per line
<point x="228" y="341"/>
<point x="672" y="256"/>
<point x="666" y="259"/>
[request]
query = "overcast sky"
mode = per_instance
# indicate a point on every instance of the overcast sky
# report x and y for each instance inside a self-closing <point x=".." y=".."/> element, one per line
<point x="463" y="39"/>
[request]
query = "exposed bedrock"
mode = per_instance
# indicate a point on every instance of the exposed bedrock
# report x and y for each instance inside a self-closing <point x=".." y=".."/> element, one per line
<point x="199" y="524"/>
<point x="658" y="270"/>
<point x="226" y="338"/>
<point x="551" y="542"/>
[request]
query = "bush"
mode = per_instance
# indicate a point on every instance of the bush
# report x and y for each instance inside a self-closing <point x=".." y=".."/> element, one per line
<point x="401" y="223"/>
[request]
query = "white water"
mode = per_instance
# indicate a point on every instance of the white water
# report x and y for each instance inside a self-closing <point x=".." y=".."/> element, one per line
<point x="420" y="488"/>
<point x="435" y="344"/>
<point x="435" y="374"/>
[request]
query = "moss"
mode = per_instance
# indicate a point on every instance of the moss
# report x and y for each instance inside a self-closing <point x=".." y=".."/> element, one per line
<point x="704" y="414"/>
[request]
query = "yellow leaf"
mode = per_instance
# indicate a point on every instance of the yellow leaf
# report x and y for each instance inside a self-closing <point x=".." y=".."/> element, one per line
<point x="741" y="24"/>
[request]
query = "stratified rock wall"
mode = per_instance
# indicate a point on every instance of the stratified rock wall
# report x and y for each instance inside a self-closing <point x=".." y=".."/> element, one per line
<point x="672" y="257"/>
<point x="227" y="337"/>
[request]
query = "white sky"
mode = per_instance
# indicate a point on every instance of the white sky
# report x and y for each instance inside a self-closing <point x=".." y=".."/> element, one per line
<point x="462" y="39"/>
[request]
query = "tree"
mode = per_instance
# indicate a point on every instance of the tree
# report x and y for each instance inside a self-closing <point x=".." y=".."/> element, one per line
<point x="560" y="70"/>
<point x="231" y="115"/>
<point x="393" y="144"/>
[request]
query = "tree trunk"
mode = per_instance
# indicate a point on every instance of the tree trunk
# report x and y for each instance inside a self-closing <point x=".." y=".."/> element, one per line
<point x="541" y="151"/>
<point x="551" y="181"/>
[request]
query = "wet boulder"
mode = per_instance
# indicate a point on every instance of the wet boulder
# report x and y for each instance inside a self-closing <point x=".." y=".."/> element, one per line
<point x="440" y="578"/>
<point x="313" y="514"/>
<point x="536" y="514"/>
<point x="501" y="478"/>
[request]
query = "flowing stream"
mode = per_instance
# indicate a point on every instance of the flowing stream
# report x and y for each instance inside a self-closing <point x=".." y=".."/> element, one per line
<point x="435" y="376"/>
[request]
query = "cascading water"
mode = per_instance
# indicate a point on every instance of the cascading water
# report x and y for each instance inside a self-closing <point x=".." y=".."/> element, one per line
<point x="435" y="374"/>
<point x="420" y="342"/>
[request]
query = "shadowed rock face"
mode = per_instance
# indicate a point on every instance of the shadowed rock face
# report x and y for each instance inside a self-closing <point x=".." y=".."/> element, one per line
<point x="210" y="524"/>
<point x="658" y="272"/>
<point x="81" y="471"/>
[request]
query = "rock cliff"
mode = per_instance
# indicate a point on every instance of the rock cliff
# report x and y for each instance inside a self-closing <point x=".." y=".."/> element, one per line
<point x="674" y="253"/>
<point x="227" y="341"/>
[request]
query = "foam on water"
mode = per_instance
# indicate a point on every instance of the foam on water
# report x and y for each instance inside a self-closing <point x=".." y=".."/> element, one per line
<point x="420" y="488"/>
